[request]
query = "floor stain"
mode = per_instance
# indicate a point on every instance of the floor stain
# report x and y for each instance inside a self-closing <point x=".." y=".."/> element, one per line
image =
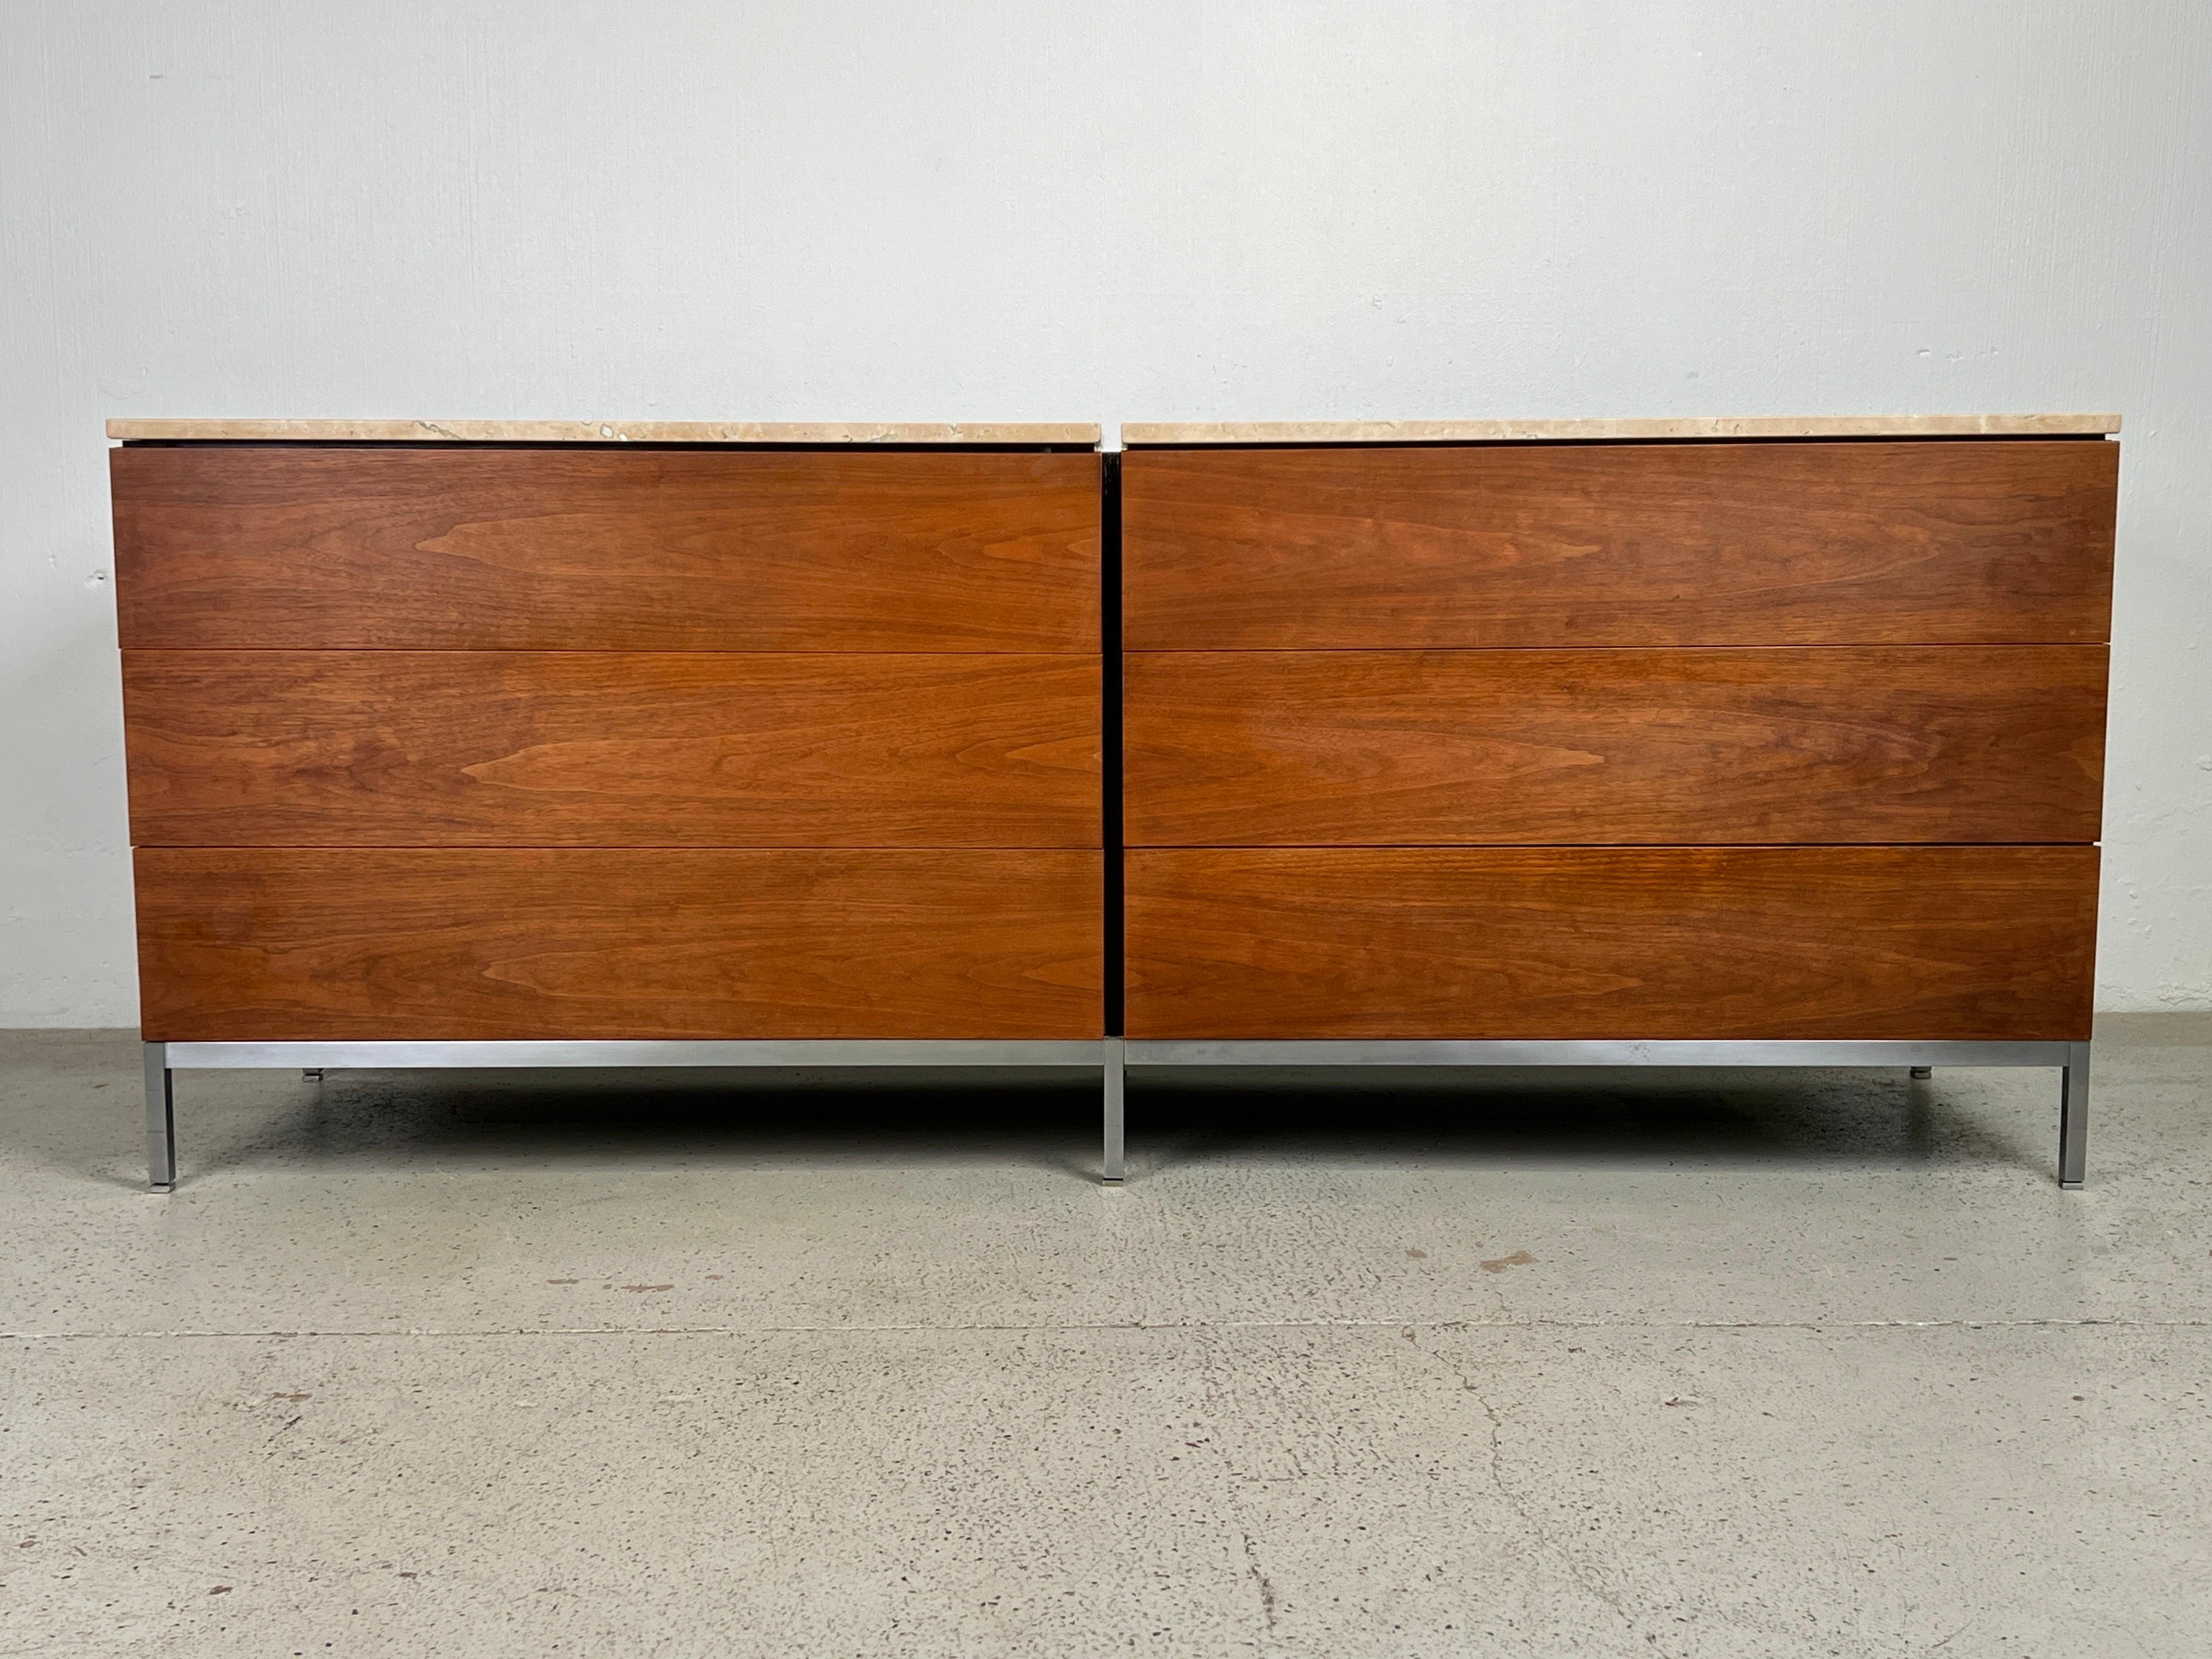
<point x="1500" y="1263"/>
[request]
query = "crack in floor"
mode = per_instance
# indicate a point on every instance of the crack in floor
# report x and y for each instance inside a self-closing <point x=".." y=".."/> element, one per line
<point x="1576" y="1568"/>
<point x="1265" y="1587"/>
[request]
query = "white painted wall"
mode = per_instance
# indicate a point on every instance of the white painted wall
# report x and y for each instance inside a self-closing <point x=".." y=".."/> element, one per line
<point x="1138" y="211"/>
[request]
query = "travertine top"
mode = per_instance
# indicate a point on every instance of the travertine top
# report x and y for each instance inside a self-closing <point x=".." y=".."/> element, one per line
<point x="604" y="432"/>
<point x="1134" y="434"/>
<point x="1143" y="433"/>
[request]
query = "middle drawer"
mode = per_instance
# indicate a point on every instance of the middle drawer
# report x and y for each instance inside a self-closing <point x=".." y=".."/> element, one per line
<point x="1737" y="745"/>
<point x="581" y="748"/>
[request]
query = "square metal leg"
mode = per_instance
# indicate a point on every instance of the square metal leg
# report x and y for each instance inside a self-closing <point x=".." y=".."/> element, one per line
<point x="160" y="1119"/>
<point x="1115" y="1078"/>
<point x="2074" y="1118"/>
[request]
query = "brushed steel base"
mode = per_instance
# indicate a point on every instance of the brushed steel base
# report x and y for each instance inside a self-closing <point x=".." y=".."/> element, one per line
<point x="1117" y="1052"/>
<point x="165" y="1060"/>
<point x="160" y="1120"/>
<point x="1111" y="1055"/>
<point x="458" y="1056"/>
<point x="2072" y="1059"/>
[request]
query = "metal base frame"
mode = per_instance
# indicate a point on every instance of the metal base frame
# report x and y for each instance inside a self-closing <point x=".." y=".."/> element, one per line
<point x="165" y="1060"/>
<point x="2072" y="1059"/>
<point x="1112" y="1055"/>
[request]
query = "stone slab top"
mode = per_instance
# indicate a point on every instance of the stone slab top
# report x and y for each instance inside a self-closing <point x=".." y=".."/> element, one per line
<point x="1149" y="435"/>
<point x="1016" y="434"/>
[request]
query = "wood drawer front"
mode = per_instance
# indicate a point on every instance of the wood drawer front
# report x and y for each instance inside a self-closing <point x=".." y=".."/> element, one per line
<point x="252" y="546"/>
<point x="449" y="944"/>
<point x="1989" y="943"/>
<point x="1594" y="544"/>
<point x="545" y="749"/>
<point x="1872" y="743"/>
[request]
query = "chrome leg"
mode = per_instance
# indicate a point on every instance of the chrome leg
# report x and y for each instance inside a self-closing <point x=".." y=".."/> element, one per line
<point x="2074" y="1118"/>
<point x="160" y="1119"/>
<point x="1115" y="1048"/>
<point x="1921" y="1074"/>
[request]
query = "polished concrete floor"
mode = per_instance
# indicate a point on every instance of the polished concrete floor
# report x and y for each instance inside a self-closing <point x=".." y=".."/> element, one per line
<point x="1669" y="1364"/>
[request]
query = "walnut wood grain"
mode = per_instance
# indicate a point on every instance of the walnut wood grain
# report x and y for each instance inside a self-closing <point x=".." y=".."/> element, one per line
<point x="253" y="547"/>
<point x="269" y="944"/>
<point x="1925" y="943"/>
<point x="1950" y="541"/>
<point x="541" y="749"/>
<point x="1872" y="743"/>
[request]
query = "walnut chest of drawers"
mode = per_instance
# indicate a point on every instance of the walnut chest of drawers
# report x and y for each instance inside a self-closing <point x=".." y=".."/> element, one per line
<point x="768" y="752"/>
<point x="1778" y="750"/>
<point x="1760" y="742"/>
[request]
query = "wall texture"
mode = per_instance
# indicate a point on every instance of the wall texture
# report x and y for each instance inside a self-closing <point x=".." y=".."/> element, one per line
<point x="872" y="210"/>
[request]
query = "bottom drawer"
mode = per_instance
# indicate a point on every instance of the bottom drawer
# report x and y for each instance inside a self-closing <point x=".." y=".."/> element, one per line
<point x="247" y="944"/>
<point x="1926" y="943"/>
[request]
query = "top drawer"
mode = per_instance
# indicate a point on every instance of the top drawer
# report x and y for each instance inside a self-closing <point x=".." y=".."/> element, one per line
<point x="245" y="546"/>
<point x="1935" y="541"/>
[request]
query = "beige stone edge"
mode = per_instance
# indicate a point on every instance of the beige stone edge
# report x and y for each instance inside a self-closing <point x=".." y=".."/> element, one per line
<point x="1152" y="433"/>
<point x="601" y="432"/>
